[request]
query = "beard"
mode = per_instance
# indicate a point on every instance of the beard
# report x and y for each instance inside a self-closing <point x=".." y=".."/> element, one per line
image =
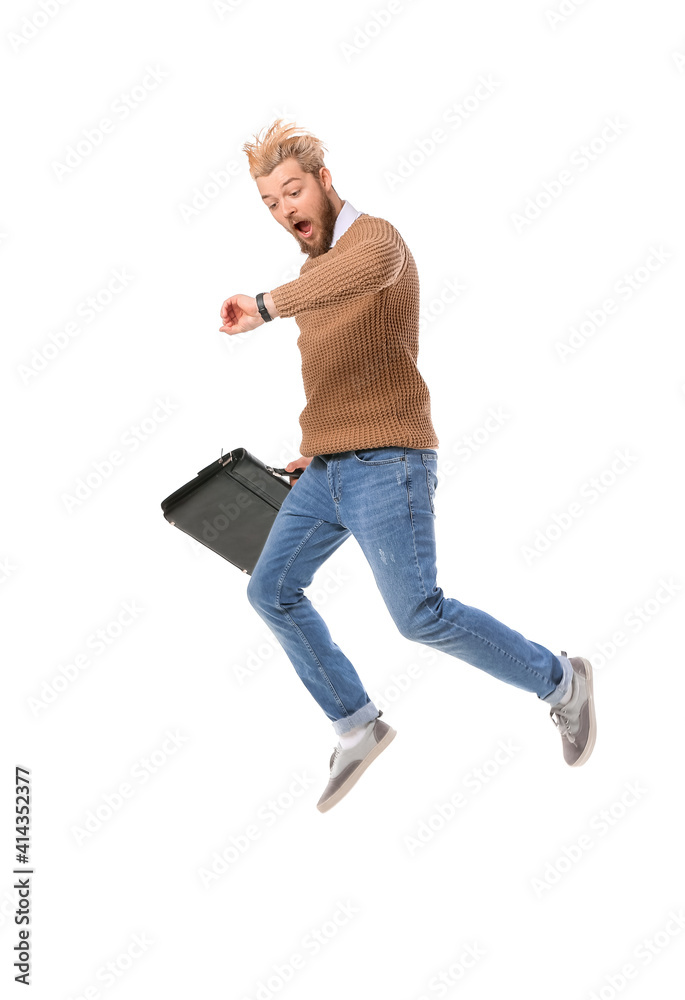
<point x="324" y="224"/>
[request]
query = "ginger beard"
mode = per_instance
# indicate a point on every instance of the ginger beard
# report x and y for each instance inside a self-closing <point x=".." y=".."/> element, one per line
<point x="322" y="225"/>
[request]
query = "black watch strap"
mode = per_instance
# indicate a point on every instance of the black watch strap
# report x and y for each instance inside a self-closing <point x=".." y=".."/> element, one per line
<point x="263" y="311"/>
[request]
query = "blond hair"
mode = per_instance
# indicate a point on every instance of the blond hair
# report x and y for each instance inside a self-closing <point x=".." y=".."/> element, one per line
<point x="281" y="142"/>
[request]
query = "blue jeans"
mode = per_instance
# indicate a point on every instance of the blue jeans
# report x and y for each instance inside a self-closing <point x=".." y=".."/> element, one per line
<point x="385" y="497"/>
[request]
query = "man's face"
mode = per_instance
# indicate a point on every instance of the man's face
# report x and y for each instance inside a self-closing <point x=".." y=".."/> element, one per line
<point x="300" y="203"/>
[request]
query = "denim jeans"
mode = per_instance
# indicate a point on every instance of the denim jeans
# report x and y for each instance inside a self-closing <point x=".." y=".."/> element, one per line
<point x="385" y="497"/>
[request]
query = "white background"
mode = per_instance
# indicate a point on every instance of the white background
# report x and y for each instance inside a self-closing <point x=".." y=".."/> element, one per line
<point x="503" y="875"/>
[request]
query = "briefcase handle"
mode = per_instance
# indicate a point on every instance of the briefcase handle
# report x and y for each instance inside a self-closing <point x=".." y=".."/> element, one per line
<point x="269" y="468"/>
<point x="296" y="473"/>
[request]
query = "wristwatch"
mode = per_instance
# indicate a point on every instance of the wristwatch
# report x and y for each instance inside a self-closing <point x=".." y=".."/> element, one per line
<point x="263" y="311"/>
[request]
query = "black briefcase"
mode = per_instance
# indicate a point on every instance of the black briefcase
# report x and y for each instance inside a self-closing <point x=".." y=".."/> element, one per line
<point x="230" y="506"/>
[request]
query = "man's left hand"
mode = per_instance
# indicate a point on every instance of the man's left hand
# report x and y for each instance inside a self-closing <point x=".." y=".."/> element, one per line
<point x="240" y="314"/>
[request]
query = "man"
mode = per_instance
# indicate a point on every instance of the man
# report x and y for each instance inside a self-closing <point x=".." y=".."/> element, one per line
<point x="369" y="460"/>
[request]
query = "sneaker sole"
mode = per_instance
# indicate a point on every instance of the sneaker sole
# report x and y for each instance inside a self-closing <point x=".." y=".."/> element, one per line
<point x="592" y="729"/>
<point x="357" y="773"/>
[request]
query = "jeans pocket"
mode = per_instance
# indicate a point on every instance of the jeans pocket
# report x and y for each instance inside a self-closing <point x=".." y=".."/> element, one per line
<point x="430" y="461"/>
<point x="379" y="456"/>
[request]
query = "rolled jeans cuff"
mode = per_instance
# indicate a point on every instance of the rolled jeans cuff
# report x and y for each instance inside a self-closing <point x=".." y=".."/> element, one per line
<point x="564" y="684"/>
<point x="364" y="714"/>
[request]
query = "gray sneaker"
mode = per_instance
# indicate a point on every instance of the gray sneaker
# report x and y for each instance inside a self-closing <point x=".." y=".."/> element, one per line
<point x="347" y="766"/>
<point x="576" y="719"/>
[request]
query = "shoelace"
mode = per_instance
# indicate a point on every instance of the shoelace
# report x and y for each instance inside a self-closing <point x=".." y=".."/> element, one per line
<point x="561" y="721"/>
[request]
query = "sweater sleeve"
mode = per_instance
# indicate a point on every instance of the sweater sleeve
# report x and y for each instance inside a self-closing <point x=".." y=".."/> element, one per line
<point x="362" y="269"/>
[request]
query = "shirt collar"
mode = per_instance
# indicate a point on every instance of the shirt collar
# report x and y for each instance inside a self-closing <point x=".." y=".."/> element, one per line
<point x="346" y="216"/>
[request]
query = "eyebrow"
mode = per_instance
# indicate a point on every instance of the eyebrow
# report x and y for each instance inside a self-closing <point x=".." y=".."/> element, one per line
<point x="282" y="186"/>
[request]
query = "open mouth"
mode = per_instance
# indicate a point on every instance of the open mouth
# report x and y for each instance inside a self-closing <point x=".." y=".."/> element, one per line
<point x="304" y="227"/>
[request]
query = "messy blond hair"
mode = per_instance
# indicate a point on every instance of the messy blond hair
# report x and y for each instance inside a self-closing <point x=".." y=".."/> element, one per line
<point x="280" y="142"/>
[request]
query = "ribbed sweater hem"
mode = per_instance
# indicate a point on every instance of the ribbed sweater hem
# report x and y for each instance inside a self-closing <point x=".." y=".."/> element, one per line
<point x="422" y="435"/>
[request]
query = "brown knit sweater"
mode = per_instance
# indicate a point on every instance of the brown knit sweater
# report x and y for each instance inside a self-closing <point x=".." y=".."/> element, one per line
<point x="357" y="307"/>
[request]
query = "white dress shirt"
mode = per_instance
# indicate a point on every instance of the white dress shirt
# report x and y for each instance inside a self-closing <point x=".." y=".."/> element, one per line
<point x="346" y="216"/>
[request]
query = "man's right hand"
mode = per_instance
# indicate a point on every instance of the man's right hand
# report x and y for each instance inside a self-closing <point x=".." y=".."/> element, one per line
<point x="297" y="463"/>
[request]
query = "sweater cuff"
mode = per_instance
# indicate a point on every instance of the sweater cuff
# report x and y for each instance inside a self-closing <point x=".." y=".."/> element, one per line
<point x="284" y="297"/>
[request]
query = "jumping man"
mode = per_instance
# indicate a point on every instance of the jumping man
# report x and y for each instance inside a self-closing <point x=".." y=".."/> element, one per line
<point x="370" y="466"/>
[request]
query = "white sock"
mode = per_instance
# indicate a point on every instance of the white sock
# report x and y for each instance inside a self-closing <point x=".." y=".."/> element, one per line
<point x="353" y="736"/>
<point x="564" y="700"/>
<point x="567" y="697"/>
